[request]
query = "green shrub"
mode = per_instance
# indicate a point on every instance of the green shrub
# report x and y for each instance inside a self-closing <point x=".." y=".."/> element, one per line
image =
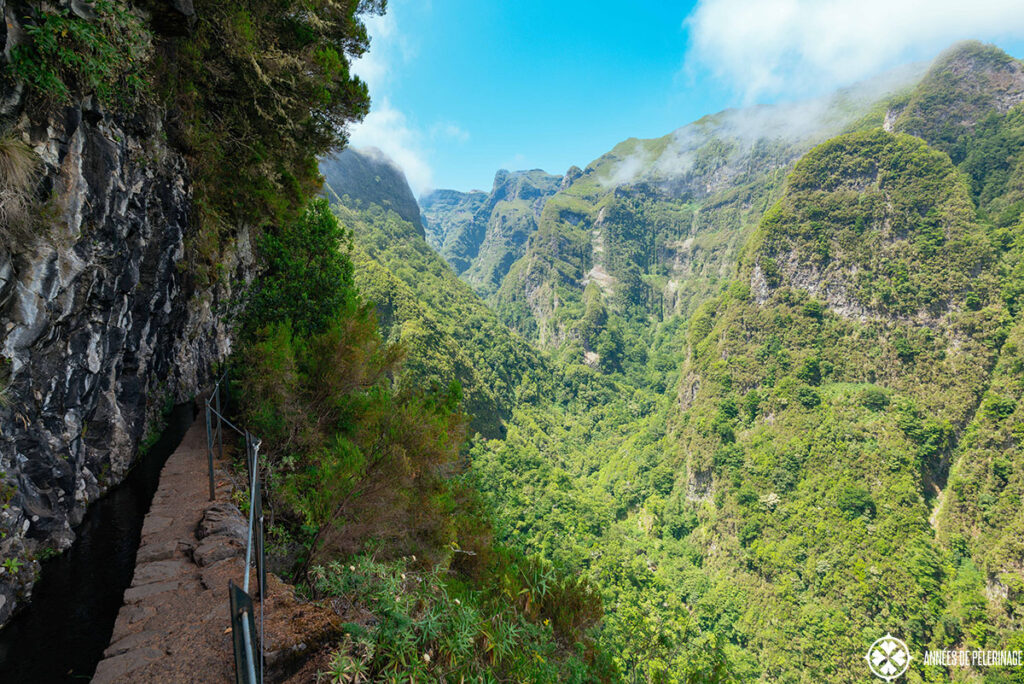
<point x="874" y="398"/>
<point x="428" y="627"/>
<point x="810" y="371"/>
<point x="814" y="309"/>
<point x="308" y="278"/>
<point x="808" y="397"/>
<point x="996" y="407"/>
<point x="855" y="500"/>
<point x="343" y="446"/>
<point x="343" y="443"/>
<point x="752" y="404"/>
<point x="66" y="56"/>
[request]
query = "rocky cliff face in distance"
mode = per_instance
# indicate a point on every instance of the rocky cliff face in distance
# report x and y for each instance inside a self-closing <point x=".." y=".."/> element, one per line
<point x="102" y="326"/>
<point x="450" y="218"/>
<point x="368" y="177"/>
<point x="480" y="235"/>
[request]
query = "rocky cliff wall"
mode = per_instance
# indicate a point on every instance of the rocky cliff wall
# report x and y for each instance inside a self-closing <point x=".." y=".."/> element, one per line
<point x="102" y="324"/>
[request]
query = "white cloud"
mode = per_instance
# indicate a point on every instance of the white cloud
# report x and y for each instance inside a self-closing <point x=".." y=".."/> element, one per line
<point x="450" y="132"/>
<point x="387" y="129"/>
<point x="799" y="47"/>
<point x="803" y="123"/>
<point x="629" y="169"/>
<point x="387" y="45"/>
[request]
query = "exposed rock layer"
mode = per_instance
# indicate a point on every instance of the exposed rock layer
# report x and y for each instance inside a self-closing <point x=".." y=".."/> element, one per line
<point x="102" y="324"/>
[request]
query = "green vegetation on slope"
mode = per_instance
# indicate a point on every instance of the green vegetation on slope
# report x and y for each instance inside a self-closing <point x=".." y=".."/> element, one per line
<point x="786" y="499"/>
<point x="67" y="55"/>
<point x="448" y="333"/>
<point x="363" y="473"/>
<point x="965" y="84"/>
<point x="883" y="221"/>
<point x="481" y="236"/>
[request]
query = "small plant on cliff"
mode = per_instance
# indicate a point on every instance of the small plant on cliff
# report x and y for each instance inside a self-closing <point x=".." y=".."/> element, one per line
<point x="47" y="553"/>
<point x="13" y="565"/>
<point x="68" y="55"/>
<point x="7" y="492"/>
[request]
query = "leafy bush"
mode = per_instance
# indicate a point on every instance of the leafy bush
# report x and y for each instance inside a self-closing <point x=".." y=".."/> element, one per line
<point x="808" y="397"/>
<point x="308" y="278"/>
<point x="810" y="371"/>
<point x="874" y="398"/>
<point x="855" y="500"/>
<point x="998" y="408"/>
<point x="429" y="628"/>
<point x="353" y="459"/>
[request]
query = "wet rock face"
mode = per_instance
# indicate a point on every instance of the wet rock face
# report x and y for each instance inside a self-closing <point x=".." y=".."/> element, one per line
<point x="101" y="323"/>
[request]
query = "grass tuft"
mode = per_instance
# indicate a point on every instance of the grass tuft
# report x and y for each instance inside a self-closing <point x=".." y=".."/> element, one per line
<point x="19" y="172"/>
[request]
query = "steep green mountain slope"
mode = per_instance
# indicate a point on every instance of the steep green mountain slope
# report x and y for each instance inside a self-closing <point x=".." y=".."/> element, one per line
<point x="964" y="86"/>
<point x="783" y="414"/>
<point x="831" y="393"/>
<point x="449" y="216"/>
<point x="656" y="225"/>
<point x="481" y="236"/>
<point x="836" y="453"/>
<point x="449" y="334"/>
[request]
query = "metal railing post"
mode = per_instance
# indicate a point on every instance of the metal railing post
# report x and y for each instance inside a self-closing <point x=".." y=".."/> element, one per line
<point x="249" y="664"/>
<point x="252" y="517"/>
<point x="257" y="503"/>
<point x="209" y="449"/>
<point x="220" y="423"/>
<point x="261" y="565"/>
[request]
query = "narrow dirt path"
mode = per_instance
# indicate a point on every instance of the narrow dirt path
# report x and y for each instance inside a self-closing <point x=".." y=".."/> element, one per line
<point x="173" y="626"/>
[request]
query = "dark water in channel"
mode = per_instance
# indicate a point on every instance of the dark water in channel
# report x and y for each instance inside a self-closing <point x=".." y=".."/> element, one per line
<point x="61" y="635"/>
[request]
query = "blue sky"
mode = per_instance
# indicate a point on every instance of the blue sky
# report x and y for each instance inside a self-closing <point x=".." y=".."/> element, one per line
<point x="462" y="88"/>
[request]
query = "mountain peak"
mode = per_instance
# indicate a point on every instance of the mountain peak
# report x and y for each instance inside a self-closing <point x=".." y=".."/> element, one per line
<point x="371" y="177"/>
<point x="976" y="54"/>
<point x="967" y="82"/>
<point x="523" y="184"/>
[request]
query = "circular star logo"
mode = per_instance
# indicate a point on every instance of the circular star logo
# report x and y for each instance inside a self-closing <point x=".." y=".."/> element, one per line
<point x="888" y="658"/>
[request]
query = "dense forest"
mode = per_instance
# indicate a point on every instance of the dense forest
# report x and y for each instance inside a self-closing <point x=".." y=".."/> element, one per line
<point x="768" y="402"/>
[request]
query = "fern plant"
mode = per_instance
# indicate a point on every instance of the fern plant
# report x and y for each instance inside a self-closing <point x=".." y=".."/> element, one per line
<point x="67" y="55"/>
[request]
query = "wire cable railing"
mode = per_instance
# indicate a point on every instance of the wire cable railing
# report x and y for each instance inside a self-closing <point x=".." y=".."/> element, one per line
<point x="247" y="642"/>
